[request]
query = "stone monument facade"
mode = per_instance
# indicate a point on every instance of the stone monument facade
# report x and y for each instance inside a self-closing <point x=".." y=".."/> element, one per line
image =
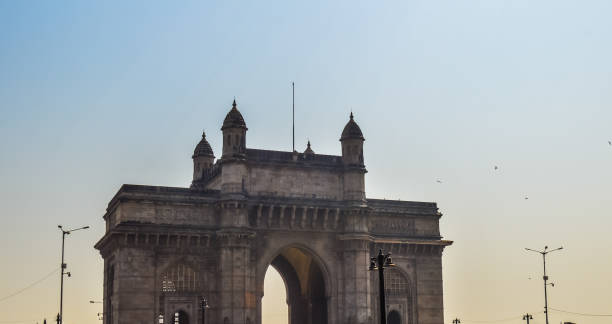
<point x="305" y="214"/>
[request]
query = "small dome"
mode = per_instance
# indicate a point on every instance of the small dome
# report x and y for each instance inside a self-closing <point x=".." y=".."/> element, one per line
<point x="203" y="148"/>
<point x="309" y="150"/>
<point x="351" y="130"/>
<point x="234" y="119"/>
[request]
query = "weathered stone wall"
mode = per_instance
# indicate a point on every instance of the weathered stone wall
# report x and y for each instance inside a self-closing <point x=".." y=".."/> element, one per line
<point x="160" y="213"/>
<point x="135" y="286"/>
<point x="295" y="182"/>
<point x="430" y="307"/>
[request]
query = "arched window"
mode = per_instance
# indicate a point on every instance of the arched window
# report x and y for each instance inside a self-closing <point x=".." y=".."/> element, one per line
<point x="396" y="283"/>
<point x="179" y="278"/>
<point x="181" y="317"/>
<point x="394" y="317"/>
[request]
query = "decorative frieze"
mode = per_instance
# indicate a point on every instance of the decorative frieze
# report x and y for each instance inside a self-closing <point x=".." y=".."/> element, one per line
<point x="294" y="217"/>
<point x="414" y="248"/>
<point x="389" y="225"/>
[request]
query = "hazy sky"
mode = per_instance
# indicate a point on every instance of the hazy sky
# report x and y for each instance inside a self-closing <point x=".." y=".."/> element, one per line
<point x="94" y="94"/>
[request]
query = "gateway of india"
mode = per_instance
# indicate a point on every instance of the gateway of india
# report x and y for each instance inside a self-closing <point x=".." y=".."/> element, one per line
<point x="165" y="249"/>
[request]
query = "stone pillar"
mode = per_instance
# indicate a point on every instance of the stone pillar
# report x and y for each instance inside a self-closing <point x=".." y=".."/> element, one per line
<point x="134" y="286"/>
<point x="237" y="291"/>
<point x="234" y="180"/>
<point x="356" y="294"/>
<point x="356" y="281"/>
<point x="430" y="308"/>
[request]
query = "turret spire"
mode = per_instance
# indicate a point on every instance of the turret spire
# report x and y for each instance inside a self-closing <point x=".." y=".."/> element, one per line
<point x="234" y="133"/>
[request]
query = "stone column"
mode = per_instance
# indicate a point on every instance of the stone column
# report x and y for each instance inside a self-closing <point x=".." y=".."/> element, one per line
<point x="430" y="308"/>
<point x="237" y="291"/>
<point x="134" y="285"/>
<point x="356" y="294"/>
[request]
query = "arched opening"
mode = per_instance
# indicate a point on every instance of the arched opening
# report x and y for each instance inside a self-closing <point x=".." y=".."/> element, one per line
<point x="394" y="317"/>
<point x="304" y="285"/>
<point x="397" y="294"/>
<point x="180" y="317"/>
<point x="274" y="302"/>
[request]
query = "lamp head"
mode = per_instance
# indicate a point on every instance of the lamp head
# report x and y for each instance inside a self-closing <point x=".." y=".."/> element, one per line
<point x="204" y="303"/>
<point x="388" y="261"/>
<point x="373" y="265"/>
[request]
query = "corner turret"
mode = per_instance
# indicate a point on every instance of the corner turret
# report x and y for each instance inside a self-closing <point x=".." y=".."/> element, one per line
<point x="234" y="173"/>
<point x="352" y="157"/>
<point x="352" y="144"/>
<point x="203" y="158"/>
<point x="234" y="134"/>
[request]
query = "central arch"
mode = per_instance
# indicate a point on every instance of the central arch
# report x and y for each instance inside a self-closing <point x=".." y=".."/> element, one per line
<point x="305" y="285"/>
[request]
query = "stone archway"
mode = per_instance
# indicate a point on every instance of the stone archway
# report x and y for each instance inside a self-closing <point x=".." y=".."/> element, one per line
<point x="305" y="284"/>
<point x="394" y="317"/>
<point x="180" y="317"/>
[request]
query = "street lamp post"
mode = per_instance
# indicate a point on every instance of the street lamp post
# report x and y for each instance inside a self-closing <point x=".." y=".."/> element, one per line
<point x="204" y="306"/>
<point x="60" y="316"/>
<point x="527" y="317"/>
<point x="545" y="277"/>
<point x="380" y="262"/>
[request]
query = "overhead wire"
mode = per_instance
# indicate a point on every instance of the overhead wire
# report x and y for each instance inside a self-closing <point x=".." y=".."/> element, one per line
<point x="581" y="314"/>
<point x="29" y="286"/>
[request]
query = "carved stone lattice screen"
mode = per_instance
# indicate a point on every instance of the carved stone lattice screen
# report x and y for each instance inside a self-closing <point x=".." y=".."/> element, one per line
<point x="179" y="278"/>
<point x="396" y="283"/>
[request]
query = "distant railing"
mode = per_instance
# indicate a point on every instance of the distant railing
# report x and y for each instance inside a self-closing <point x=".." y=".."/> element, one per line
<point x="281" y="156"/>
<point x="211" y="173"/>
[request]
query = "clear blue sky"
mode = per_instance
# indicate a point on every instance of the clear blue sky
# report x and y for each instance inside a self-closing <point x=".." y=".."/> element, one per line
<point x="97" y="94"/>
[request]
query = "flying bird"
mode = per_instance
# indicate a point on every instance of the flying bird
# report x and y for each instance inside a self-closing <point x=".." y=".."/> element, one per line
<point x="526" y="197"/>
<point x="495" y="167"/>
<point x="610" y="143"/>
<point x="439" y="181"/>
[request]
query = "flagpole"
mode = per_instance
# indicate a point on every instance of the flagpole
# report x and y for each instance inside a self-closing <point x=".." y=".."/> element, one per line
<point x="293" y="108"/>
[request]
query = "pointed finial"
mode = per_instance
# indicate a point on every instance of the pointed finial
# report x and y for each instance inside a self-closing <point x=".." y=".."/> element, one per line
<point x="234" y="103"/>
<point x="351" y="115"/>
<point x="203" y="134"/>
<point x="309" y="150"/>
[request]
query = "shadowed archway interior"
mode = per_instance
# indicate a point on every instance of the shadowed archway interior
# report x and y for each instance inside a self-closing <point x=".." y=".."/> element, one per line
<point x="394" y="317"/>
<point x="180" y="317"/>
<point x="305" y="286"/>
